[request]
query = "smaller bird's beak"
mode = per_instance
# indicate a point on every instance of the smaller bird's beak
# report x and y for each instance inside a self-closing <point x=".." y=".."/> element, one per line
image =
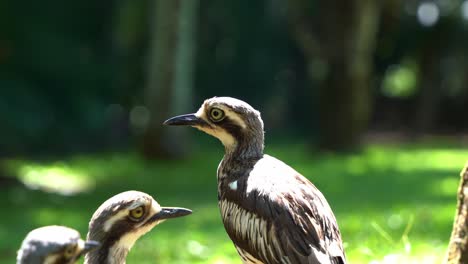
<point x="170" y="212"/>
<point x="90" y="245"/>
<point x="185" y="120"/>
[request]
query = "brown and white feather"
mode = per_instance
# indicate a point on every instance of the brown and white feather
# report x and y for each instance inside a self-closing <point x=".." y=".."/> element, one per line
<point x="275" y="215"/>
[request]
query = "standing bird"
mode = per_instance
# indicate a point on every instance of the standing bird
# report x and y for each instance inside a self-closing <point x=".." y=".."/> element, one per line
<point x="53" y="245"/>
<point x="121" y="220"/>
<point x="272" y="213"/>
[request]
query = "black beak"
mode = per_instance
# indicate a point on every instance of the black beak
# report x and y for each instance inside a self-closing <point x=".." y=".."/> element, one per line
<point x="185" y="120"/>
<point x="170" y="212"/>
<point x="90" y="245"/>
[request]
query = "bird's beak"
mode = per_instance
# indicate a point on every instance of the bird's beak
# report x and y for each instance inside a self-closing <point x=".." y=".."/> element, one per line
<point x="170" y="212"/>
<point x="185" y="120"/>
<point x="89" y="246"/>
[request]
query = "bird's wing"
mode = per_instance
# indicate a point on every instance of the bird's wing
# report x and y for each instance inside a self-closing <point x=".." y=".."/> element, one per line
<point x="289" y="219"/>
<point x="305" y="226"/>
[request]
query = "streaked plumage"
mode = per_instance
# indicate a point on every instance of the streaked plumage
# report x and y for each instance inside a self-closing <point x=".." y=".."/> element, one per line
<point x="272" y="213"/>
<point x="53" y="245"/>
<point x="121" y="220"/>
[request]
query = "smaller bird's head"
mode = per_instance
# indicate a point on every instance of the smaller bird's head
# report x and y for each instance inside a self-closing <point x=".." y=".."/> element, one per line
<point x="234" y="122"/>
<point x="53" y="245"/>
<point x="121" y="220"/>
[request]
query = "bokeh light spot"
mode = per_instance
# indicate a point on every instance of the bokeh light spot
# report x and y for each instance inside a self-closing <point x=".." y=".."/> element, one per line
<point x="395" y="221"/>
<point x="428" y="14"/>
<point x="399" y="81"/>
<point x="464" y="10"/>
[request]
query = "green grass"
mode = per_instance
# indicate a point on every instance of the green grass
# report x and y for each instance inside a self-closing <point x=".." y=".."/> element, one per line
<point x="394" y="204"/>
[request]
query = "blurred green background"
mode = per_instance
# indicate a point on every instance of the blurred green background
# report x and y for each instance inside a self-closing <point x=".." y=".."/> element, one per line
<point x="368" y="99"/>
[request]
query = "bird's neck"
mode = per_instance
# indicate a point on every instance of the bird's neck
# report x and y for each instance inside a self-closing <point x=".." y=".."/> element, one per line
<point x="115" y="254"/>
<point x="238" y="159"/>
<point x="244" y="148"/>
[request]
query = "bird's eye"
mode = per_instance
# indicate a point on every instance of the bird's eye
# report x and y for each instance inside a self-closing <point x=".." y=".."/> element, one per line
<point x="69" y="251"/>
<point x="217" y="114"/>
<point x="137" y="213"/>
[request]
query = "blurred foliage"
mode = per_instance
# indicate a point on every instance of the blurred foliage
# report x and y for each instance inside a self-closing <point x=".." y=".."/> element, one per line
<point x="55" y="71"/>
<point x="394" y="203"/>
<point x="71" y="73"/>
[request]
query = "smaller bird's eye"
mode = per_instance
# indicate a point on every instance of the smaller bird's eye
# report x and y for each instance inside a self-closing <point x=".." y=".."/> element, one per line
<point x="69" y="251"/>
<point x="217" y="114"/>
<point x="137" y="213"/>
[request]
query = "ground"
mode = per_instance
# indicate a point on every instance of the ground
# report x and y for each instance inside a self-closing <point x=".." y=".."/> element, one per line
<point x="394" y="203"/>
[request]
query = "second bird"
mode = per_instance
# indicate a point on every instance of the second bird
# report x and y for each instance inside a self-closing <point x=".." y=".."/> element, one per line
<point x="272" y="213"/>
<point x="121" y="220"/>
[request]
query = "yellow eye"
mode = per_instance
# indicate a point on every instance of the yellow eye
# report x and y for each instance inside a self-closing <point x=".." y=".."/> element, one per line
<point x="217" y="114"/>
<point x="138" y="212"/>
<point x="70" y="251"/>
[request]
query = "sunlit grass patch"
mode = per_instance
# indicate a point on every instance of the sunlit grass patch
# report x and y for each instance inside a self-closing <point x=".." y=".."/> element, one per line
<point x="394" y="204"/>
<point x="395" y="238"/>
<point x="55" y="177"/>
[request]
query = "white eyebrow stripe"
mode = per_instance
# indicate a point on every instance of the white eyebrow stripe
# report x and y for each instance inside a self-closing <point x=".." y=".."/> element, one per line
<point x="235" y="118"/>
<point x="135" y="205"/>
<point x="110" y="222"/>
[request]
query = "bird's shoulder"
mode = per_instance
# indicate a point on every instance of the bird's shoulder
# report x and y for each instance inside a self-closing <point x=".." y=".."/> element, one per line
<point x="271" y="174"/>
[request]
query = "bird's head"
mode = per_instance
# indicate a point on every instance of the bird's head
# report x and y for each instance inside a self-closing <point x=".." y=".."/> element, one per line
<point x="53" y="245"/>
<point x="231" y="120"/>
<point x="121" y="220"/>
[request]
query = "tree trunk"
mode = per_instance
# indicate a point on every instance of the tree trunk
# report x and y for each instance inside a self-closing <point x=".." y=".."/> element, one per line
<point x="339" y="58"/>
<point x="430" y="58"/>
<point x="170" y="76"/>
<point x="457" y="252"/>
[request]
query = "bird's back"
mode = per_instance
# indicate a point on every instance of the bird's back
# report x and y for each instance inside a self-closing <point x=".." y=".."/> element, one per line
<point x="275" y="215"/>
